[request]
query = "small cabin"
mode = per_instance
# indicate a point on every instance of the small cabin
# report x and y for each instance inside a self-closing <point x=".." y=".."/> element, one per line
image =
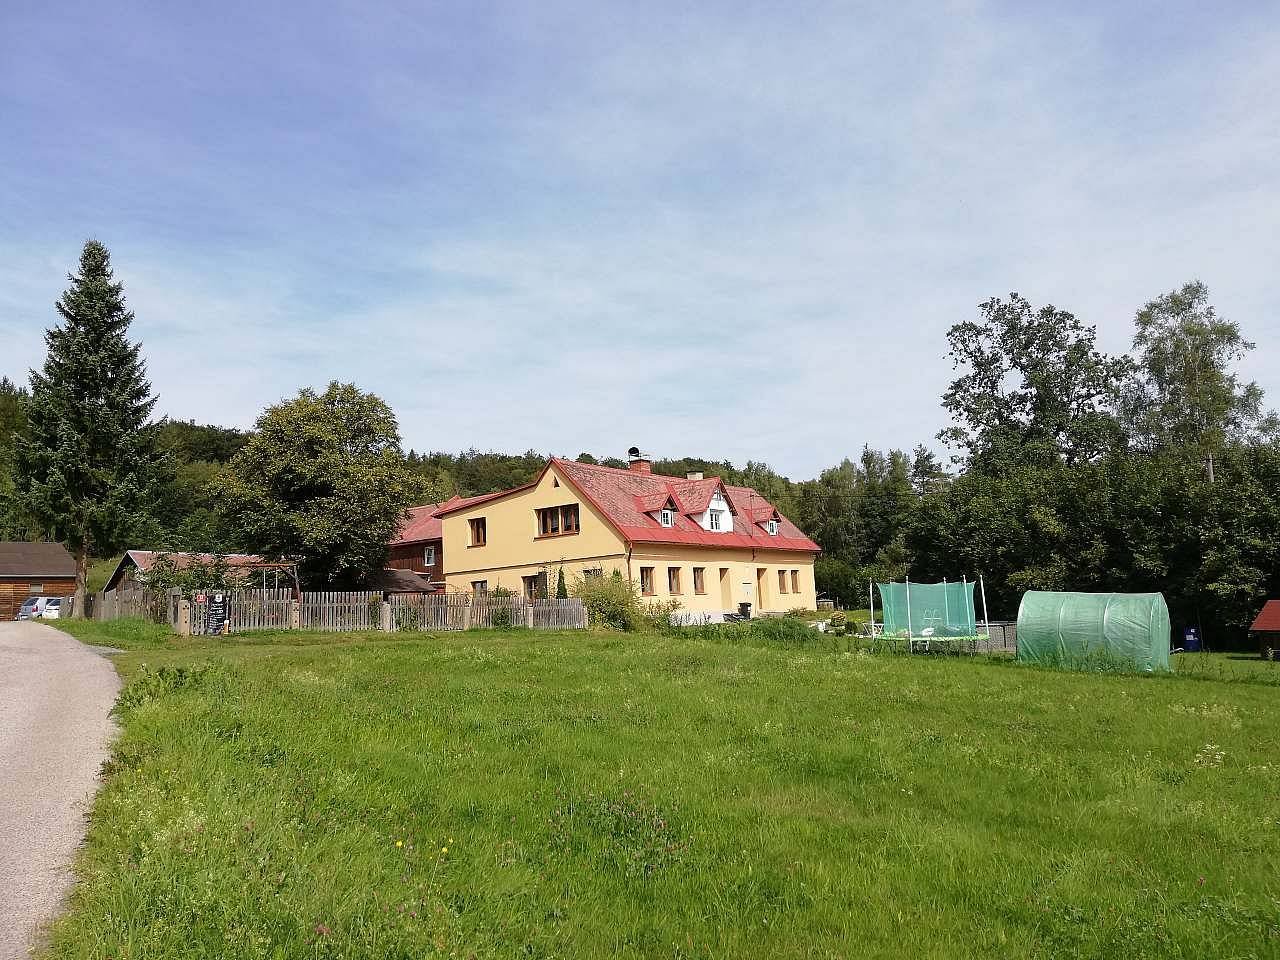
<point x="33" y="570"/>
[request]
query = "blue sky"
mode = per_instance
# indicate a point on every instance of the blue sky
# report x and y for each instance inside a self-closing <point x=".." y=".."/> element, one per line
<point x="730" y="230"/>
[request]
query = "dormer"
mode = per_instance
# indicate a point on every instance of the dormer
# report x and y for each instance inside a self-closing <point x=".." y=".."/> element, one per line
<point x="718" y="517"/>
<point x="662" y="507"/>
<point x="769" y="520"/>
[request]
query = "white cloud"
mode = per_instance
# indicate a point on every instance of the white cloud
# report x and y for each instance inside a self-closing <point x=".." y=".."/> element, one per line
<point x="826" y="191"/>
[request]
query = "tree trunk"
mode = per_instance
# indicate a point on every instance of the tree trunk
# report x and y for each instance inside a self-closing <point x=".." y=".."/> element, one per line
<point x="82" y="576"/>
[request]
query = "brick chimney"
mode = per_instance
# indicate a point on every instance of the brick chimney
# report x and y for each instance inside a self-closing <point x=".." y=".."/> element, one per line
<point x="639" y="462"/>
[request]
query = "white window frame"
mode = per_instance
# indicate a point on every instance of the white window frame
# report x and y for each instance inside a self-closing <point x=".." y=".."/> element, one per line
<point x="713" y="519"/>
<point x="667" y="517"/>
<point x="772" y="527"/>
<point x="429" y="555"/>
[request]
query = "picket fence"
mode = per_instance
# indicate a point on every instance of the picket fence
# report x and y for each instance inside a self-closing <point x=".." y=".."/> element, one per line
<point x="246" y="610"/>
<point x="339" y="611"/>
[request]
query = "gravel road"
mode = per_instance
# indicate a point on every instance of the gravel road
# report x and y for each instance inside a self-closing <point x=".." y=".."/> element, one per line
<point x="55" y="726"/>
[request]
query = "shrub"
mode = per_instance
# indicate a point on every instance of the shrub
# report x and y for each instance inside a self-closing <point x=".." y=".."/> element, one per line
<point x="610" y="601"/>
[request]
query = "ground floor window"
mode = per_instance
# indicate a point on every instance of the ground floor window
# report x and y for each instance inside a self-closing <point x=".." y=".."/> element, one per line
<point x="479" y="586"/>
<point x="673" y="580"/>
<point x="590" y="573"/>
<point x="646" y="581"/>
<point x="795" y="581"/>
<point x="699" y="580"/>
<point x="782" y="581"/>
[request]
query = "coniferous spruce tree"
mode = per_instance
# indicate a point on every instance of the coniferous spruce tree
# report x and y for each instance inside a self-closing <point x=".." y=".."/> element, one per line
<point x="85" y="465"/>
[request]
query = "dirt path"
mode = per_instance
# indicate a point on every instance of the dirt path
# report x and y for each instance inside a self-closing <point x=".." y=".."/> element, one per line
<point x="55" y="698"/>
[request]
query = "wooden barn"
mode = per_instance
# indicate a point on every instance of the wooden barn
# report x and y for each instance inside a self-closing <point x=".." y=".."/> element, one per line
<point x="33" y="570"/>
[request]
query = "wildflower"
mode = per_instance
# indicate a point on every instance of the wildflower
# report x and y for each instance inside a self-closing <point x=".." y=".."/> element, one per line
<point x="399" y="843"/>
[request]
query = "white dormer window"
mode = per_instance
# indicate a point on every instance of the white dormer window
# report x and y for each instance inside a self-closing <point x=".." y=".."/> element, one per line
<point x="714" y="519"/>
<point x="772" y="527"/>
<point x="429" y="555"/>
<point x="667" y="517"/>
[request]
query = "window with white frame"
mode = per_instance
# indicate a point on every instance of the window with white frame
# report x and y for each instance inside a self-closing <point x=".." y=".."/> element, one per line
<point x="667" y="517"/>
<point x="772" y="527"/>
<point x="429" y="555"/>
<point x="715" y="519"/>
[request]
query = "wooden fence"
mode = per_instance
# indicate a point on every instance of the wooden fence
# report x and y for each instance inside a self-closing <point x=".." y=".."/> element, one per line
<point x="245" y="610"/>
<point x="337" y="611"/>
<point x="341" y="611"/>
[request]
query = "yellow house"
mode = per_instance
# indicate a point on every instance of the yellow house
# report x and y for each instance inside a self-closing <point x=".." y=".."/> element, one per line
<point x="696" y="540"/>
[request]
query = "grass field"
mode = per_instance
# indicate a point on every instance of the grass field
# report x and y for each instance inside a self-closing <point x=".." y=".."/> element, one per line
<point x="589" y="795"/>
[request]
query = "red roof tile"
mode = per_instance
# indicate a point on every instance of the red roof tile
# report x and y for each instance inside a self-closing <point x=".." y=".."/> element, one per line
<point x="619" y="495"/>
<point x="145" y="559"/>
<point x="1268" y="617"/>
<point x="424" y="521"/>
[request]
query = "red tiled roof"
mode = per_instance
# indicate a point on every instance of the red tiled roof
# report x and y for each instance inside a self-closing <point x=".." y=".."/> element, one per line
<point x="424" y="521"/>
<point x="650" y="502"/>
<point x="145" y="559"/>
<point x="461" y="503"/>
<point x="1268" y="617"/>
<point x="619" y="494"/>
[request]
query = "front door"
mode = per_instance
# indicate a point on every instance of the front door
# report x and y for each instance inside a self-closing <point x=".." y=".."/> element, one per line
<point x="535" y="586"/>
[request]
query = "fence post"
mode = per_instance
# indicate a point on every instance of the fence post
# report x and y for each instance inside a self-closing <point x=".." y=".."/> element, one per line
<point x="528" y="615"/>
<point x="386" y="616"/>
<point x="295" y="614"/>
<point x="466" y="617"/>
<point x="184" y="618"/>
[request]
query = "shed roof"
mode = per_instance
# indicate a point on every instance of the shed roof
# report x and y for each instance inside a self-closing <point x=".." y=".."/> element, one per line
<point x="21" y="559"/>
<point x="144" y="560"/>
<point x="1268" y="617"/>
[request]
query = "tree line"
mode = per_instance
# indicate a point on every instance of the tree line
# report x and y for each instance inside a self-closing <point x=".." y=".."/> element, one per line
<point x="1068" y="468"/>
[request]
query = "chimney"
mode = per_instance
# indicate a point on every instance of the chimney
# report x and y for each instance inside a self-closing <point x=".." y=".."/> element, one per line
<point x="693" y="475"/>
<point x="638" y="462"/>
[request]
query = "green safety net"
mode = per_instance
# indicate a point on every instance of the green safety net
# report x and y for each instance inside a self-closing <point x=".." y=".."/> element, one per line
<point x="928" y="609"/>
<point x="1094" y="630"/>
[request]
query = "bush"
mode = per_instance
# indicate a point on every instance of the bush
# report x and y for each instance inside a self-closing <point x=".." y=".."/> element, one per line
<point x="610" y="601"/>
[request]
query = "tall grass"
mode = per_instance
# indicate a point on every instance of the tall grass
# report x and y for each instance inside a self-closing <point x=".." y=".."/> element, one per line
<point x="623" y="795"/>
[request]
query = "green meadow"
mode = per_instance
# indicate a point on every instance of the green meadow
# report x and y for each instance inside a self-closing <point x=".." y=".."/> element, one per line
<point x="534" y="795"/>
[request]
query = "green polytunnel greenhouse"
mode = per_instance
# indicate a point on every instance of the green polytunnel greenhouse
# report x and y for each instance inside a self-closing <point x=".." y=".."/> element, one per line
<point x="928" y="609"/>
<point x="1094" y="630"/>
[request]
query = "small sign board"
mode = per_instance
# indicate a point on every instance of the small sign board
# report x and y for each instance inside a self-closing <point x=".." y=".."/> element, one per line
<point x="1190" y="639"/>
<point x="215" y="613"/>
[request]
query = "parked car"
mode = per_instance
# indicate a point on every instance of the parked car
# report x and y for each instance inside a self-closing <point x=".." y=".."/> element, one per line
<point x="32" y="608"/>
<point x="52" y="609"/>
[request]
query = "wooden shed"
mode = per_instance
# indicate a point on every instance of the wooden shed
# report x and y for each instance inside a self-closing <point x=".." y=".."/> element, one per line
<point x="33" y="570"/>
<point x="1266" y="629"/>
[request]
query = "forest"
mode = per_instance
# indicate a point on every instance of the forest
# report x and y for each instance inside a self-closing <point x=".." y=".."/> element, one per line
<point x="1062" y="468"/>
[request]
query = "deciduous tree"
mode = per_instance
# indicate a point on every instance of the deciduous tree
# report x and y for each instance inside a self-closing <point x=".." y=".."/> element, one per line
<point x="322" y="481"/>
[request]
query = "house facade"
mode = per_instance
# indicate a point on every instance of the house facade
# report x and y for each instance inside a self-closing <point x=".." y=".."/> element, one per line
<point x="707" y="545"/>
<point x="418" y="547"/>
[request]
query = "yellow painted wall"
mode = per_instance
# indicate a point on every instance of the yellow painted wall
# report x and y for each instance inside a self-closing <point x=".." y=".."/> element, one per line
<point x="514" y="551"/>
<point x="741" y="582"/>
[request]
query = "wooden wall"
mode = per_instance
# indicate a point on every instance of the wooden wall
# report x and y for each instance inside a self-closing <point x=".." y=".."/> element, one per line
<point x="409" y="557"/>
<point x="14" y="590"/>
